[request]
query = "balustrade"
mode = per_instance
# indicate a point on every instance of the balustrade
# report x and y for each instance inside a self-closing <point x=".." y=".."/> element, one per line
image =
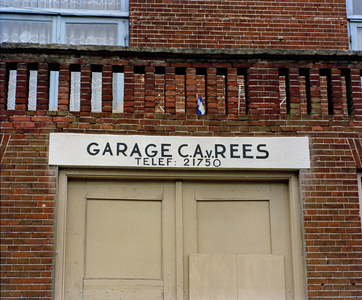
<point x="151" y="83"/>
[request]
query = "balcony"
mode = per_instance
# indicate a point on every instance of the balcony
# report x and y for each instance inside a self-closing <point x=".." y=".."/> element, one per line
<point x="167" y="83"/>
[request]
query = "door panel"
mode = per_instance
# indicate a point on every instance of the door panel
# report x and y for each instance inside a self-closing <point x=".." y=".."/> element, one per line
<point x="233" y="227"/>
<point x="118" y="236"/>
<point x="237" y="277"/>
<point x="261" y="277"/>
<point x="123" y="239"/>
<point x="99" y="289"/>
<point x="238" y="218"/>
<point x="213" y="277"/>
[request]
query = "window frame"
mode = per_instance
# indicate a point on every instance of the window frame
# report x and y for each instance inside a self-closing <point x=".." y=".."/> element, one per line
<point x="354" y="25"/>
<point x="69" y="12"/>
<point x="59" y="24"/>
<point x="35" y="18"/>
<point x="122" y="27"/>
<point x="59" y="17"/>
<point x="354" y="22"/>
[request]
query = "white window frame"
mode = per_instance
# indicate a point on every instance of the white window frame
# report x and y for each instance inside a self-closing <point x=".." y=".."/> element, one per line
<point x="59" y="17"/>
<point x="59" y="24"/>
<point x="353" y="29"/>
<point x="354" y="22"/>
<point x="122" y="26"/>
<point x="35" y="18"/>
<point x="123" y="13"/>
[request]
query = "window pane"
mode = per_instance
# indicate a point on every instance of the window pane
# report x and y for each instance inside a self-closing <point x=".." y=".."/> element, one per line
<point x="118" y="5"/>
<point x="91" y="34"/>
<point x="118" y="92"/>
<point x="359" y="37"/>
<point x="101" y="4"/>
<point x="25" y="31"/>
<point x="96" y="100"/>
<point x="33" y="87"/>
<point x="64" y="4"/>
<point x="19" y="3"/>
<point x="75" y="91"/>
<point x="53" y="90"/>
<point x="12" y="89"/>
<point x="357" y="7"/>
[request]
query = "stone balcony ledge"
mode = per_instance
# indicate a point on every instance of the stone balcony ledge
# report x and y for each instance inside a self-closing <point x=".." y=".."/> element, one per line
<point x="19" y="47"/>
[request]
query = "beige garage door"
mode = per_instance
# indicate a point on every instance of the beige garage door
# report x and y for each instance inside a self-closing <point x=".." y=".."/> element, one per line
<point x="177" y="240"/>
<point x="237" y="240"/>
<point x="119" y="240"/>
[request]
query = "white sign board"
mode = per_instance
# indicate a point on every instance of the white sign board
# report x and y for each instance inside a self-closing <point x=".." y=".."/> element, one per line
<point x="137" y="151"/>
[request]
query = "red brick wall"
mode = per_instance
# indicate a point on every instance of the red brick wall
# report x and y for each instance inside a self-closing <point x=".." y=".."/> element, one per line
<point x="333" y="240"/>
<point x="293" y="24"/>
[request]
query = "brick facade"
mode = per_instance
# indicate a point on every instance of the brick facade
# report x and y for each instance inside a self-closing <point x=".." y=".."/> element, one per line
<point x="297" y="24"/>
<point x="333" y="241"/>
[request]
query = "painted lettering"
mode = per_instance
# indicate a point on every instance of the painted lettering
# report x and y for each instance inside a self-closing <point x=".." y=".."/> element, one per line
<point x="119" y="150"/>
<point x="136" y="150"/>
<point x="179" y="150"/>
<point x="153" y="153"/>
<point x="266" y="153"/>
<point x="198" y="151"/>
<point x="219" y="152"/>
<point x="233" y="149"/>
<point x="92" y="151"/>
<point x="246" y="148"/>
<point x="208" y="153"/>
<point x="107" y="149"/>
<point x="164" y="150"/>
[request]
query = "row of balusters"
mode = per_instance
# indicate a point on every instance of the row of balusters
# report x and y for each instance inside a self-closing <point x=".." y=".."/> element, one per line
<point x="140" y="89"/>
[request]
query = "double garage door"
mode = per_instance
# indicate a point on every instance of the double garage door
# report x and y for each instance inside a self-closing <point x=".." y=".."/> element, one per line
<point x="179" y="239"/>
